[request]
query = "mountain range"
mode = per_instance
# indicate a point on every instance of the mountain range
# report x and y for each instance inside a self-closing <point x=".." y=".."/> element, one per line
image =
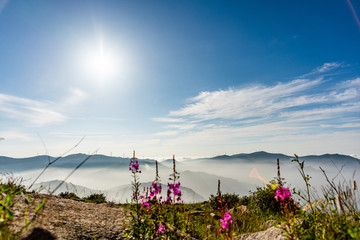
<point x="97" y="161"/>
<point x="198" y="177"/>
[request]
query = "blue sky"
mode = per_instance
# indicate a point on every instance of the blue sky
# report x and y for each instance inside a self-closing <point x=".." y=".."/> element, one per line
<point x="190" y="78"/>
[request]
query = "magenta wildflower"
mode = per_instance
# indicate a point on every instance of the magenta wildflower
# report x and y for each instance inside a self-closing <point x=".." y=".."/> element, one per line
<point x="155" y="189"/>
<point x="226" y="221"/>
<point x="134" y="166"/>
<point x="173" y="189"/>
<point x="282" y="194"/>
<point x="145" y="204"/>
<point x="160" y="229"/>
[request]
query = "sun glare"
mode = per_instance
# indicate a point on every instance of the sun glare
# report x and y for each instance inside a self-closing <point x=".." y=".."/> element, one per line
<point x="99" y="64"/>
<point x="102" y="66"/>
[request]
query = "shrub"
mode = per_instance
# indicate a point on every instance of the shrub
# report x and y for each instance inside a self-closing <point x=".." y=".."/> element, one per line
<point x="263" y="200"/>
<point x="244" y="200"/>
<point x="229" y="200"/>
<point x="95" y="198"/>
<point x="69" y="195"/>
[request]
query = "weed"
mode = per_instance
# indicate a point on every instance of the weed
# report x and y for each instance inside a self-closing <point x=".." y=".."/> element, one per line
<point x="69" y="195"/>
<point x="12" y="192"/>
<point x="325" y="220"/>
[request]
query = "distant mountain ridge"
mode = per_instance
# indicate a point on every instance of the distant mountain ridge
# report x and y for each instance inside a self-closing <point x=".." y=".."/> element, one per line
<point x="99" y="160"/>
<point x="258" y="154"/>
<point x="70" y="161"/>
<point x="263" y="156"/>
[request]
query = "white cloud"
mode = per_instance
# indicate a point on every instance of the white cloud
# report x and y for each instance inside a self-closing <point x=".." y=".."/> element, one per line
<point x="15" y="135"/>
<point x="259" y="114"/>
<point x="27" y="110"/>
<point x="327" y="67"/>
<point x="347" y="125"/>
<point x="38" y="112"/>
<point x="351" y="83"/>
<point x="258" y="101"/>
<point x="167" y="133"/>
<point x="182" y="126"/>
<point x="166" y="119"/>
<point x="346" y="95"/>
<point x="324" y="113"/>
<point x="324" y="69"/>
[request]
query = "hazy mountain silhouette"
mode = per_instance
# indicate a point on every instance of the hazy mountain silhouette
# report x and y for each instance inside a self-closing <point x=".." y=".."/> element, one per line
<point x="200" y="175"/>
<point x="96" y="161"/>
<point x="266" y="157"/>
<point x="48" y="187"/>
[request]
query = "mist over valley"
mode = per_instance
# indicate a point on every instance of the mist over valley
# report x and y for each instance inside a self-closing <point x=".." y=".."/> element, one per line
<point x="238" y="173"/>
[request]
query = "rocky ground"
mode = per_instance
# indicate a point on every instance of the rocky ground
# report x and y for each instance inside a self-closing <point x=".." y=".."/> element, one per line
<point x="69" y="219"/>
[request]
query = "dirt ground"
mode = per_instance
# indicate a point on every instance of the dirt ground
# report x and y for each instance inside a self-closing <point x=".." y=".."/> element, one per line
<point x="69" y="219"/>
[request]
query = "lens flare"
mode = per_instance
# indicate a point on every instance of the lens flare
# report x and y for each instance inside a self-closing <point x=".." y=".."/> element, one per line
<point x="254" y="173"/>
<point x="354" y="13"/>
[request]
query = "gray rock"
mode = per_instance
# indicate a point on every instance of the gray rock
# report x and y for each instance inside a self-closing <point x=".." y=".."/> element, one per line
<point x="272" y="233"/>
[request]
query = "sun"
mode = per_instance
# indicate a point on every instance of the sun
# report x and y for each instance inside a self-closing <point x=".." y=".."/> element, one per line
<point x="99" y="63"/>
<point x="102" y="66"/>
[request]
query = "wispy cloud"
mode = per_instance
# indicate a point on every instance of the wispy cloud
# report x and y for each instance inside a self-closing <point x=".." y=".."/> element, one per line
<point x="258" y="113"/>
<point x="350" y="83"/>
<point x="254" y="102"/>
<point x="324" y="113"/>
<point x="167" y="119"/>
<point x="327" y="67"/>
<point x="3" y="4"/>
<point x="28" y="110"/>
<point x="15" y="135"/>
<point x="323" y="69"/>
<point x="40" y="112"/>
<point x="182" y="126"/>
<point x="167" y="133"/>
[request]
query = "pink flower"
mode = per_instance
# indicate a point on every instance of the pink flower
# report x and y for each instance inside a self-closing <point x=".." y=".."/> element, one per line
<point x="226" y="221"/>
<point x="160" y="229"/>
<point x="173" y="188"/>
<point x="145" y="204"/>
<point x="134" y="166"/>
<point x="282" y="194"/>
<point x="155" y="189"/>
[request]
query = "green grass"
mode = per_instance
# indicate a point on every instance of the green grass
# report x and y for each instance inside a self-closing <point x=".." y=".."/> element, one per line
<point x="12" y="192"/>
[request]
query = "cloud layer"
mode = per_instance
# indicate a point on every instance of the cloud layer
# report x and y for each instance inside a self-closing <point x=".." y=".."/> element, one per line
<point x="36" y="112"/>
<point x="302" y="107"/>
